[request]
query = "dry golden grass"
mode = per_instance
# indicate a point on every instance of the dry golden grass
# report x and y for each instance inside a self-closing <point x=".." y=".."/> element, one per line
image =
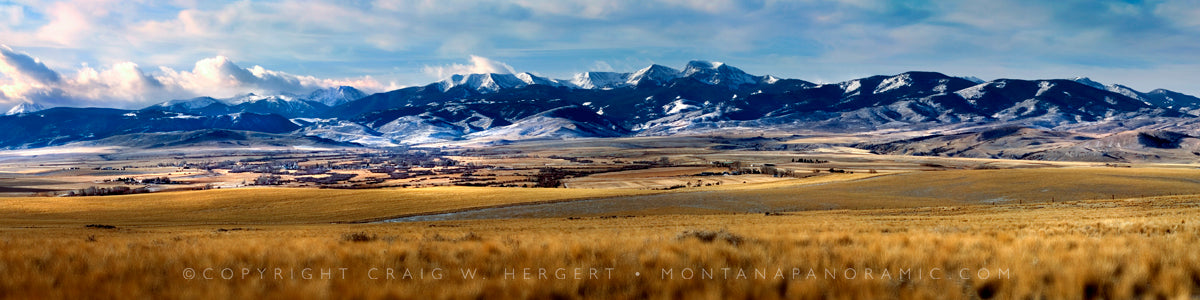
<point x="1109" y="249"/>
<point x="911" y="189"/>
<point x="1113" y="249"/>
<point x="274" y="205"/>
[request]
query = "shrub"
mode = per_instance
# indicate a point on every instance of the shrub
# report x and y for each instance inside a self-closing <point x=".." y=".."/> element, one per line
<point x="709" y="236"/>
<point x="359" y="237"/>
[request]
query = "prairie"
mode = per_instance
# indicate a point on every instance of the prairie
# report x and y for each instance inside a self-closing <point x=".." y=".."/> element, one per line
<point x="1066" y="232"/>
<point x="1121" y="248"/>
<point x="273" y="205"/>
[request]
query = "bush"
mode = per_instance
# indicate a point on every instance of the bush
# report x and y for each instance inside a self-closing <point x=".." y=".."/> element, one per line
<point x="359" y="237"/>
<point x="709" y="236"/>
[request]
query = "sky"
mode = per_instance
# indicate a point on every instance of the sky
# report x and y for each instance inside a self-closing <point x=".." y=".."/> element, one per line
<point x="133" y="53"/>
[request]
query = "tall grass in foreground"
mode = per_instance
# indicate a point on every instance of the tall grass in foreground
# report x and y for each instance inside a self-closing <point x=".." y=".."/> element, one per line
<point x="1097" y="249"/>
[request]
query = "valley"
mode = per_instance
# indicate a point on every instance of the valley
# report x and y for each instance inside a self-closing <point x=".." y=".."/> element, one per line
<point x="658" y="179"/>
<point x="643" y="211"/>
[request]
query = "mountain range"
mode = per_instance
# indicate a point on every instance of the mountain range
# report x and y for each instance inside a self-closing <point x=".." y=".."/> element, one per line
<point x="703" y="97"/>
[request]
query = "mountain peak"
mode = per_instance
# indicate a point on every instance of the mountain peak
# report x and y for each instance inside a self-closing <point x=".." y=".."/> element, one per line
<point x="483" y="83"/>
<point x="252" y="97"/>
<point x="333" y="96"/>
<point x="717" y="73"/>
<point x="1089" y="82"/>
<point x="24" y="108"/>
<point x="193" y="103"/>
<point x="599" y="80"/>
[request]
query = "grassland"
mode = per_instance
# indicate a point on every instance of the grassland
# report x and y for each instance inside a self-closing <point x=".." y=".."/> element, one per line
<point x="876" y="191"/>
<point x="1109" y="233"/>
<point x="1103" y="248"/>
<point x="275" y="205"/>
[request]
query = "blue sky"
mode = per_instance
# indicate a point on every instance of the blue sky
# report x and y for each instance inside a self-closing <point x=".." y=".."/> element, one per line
<point x="133" y="53"/>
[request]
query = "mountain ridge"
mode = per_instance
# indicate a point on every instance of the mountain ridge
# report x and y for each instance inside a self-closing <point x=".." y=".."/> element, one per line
<point x="702" y="97"/>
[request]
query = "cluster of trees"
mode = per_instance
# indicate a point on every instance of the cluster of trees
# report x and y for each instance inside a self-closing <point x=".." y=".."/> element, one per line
<point x="155" y="180"/>
<point x="268" y="179"/>
<point x="333" y="178"/>
<point x="549" y="177"/>
<point x="105" y="191"/>
<point x="809" y="160"/>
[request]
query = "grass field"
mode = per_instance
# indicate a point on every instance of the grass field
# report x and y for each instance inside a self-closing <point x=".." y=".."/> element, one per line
<point x="1109" y="249"/>
<point x="274" y="205"/>
<point x="937" y="226"/>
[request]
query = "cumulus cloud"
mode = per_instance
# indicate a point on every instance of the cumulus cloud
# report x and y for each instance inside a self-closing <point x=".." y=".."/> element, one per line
<point x="410" y="41"/>
<point x="25" y="67"/>
<point x="127" y="85"/>
<point x="478" y="65"/>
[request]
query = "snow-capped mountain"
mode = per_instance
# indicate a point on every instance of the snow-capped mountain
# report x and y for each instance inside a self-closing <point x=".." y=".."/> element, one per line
<point x="600" y="80"/>
<point x="715" y="73"/>
<point x="1159" y="97"/>
<point x="656" y="74"/>
<point x="335" y="95"/>
<point x="702" y="97"/>
<point x="24" y="107"/>
<point x="1089" y="82"/>
<point x="252" y="97"/>
<point x="487" y="83"/>
<point x="191" y="104"/>
<point x="284" y="104"/>
<point x="563" y="122"/>
<point x="718" y="73"/>
<point x="1173" y="100"/>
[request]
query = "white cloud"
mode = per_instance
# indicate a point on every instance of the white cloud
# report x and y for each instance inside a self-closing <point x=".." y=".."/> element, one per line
<point x="602" y="66"/>
<point x="126" y="85"/>
<point x="409" y="41"/>
<point x="70" y="23"/>
<point x="23" y="67"/>
<point x="478" y="65"/>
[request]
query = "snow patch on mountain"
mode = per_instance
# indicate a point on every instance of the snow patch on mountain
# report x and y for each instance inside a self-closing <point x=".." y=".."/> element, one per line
<point x="1127" y="92"/>
<point x="1043" y="87"/>
<point x="892" y="83"/>
<point x="974" y="93"/>
<point x="850" y="87"/>
<point x="678" y="106"/>
<point x="420" y="129"/>
<point x="599" y="80"/>
<point x="342" y="131"/>
<point x="558" y="123"/>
